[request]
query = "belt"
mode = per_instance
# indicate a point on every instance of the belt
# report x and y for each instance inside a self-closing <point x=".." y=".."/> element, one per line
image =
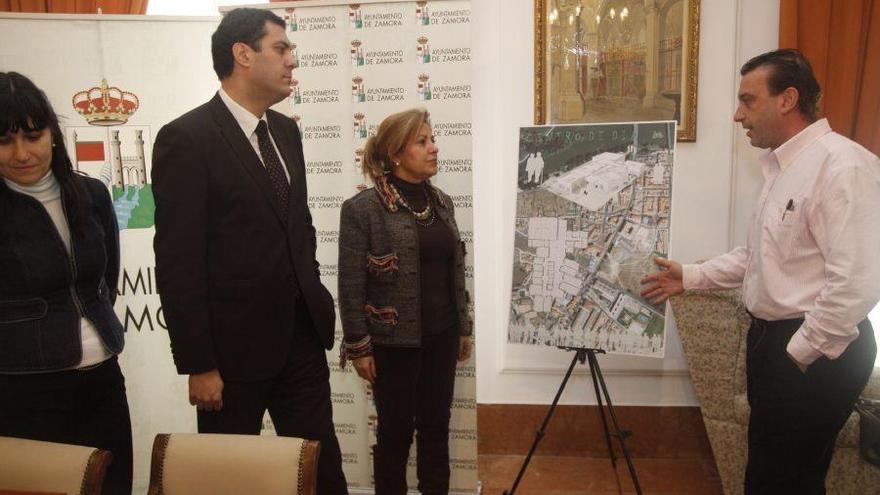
<point x="96" y="365"/>
<point x="786" y="322"/>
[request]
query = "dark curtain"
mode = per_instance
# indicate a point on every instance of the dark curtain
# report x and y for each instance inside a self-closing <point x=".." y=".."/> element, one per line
<point x="842" y="40"/>
<point x="75" y="6"/>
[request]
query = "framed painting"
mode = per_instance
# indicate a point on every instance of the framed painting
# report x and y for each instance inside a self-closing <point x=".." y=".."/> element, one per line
<point x="617" y="61"/>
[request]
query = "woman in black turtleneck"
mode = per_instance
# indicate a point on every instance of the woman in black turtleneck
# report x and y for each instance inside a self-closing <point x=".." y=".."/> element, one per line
<point x="403" y="301"/>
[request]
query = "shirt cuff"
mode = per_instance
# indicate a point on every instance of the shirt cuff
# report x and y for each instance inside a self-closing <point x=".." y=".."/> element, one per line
<point x="800" y="349"/>
<point x="691" y="276"/>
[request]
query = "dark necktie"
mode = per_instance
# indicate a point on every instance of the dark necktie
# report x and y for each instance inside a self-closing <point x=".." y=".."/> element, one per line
<point x="273" y="165"/>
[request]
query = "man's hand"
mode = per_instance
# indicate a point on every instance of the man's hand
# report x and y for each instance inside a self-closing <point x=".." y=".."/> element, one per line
<point x="464" y="348"/>
<point x="206" y="391"/>
<point x="366" y="368"/>
<point x="665" y="283"/>
<point x="801" y="366"/>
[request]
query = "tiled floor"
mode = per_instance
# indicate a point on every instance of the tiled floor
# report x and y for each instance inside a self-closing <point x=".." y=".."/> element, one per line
<point x="595" y="476"/>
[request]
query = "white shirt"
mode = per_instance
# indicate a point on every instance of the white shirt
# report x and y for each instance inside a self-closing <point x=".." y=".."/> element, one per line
<point x="248" y="123"/>
<point x="48" y="192"/>
<point x="813" y="248"/>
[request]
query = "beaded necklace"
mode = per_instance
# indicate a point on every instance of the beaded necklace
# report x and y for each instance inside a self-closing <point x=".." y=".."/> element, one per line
<point x="425" y="217"/>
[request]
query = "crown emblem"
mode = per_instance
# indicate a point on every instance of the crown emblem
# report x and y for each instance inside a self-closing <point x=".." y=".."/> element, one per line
<point x="422" y="40"/>
<point x="359" y="116"/>
<point x="294" y="83"/>
<point x="357" y="79"/>
<point x="105" y="105"/>
<point x="424" y="77"/>
<point x="354" y="6"/>
<point x="356" y="43"/>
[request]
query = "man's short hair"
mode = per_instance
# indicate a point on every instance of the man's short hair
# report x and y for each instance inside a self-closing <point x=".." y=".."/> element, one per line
<point x="789" y="69"/>
<point x="242" y="25"/>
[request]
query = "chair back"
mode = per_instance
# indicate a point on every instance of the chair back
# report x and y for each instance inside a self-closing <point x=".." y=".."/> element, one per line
<point x="215" y="464"/>
<point x="35" y="466"/>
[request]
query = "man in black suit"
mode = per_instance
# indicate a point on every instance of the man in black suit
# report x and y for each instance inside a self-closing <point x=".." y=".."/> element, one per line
<point x="235" y="248"/>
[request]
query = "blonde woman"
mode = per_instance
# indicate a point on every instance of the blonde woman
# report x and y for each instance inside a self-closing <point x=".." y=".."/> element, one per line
<point x="403" y="302"/>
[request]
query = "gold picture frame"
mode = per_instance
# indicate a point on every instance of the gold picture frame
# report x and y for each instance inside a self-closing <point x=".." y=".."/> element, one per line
<point x="640" y="65"/>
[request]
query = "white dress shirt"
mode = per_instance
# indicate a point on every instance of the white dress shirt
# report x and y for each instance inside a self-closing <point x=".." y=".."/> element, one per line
<point x="248" y="123"/>
<point x="813" y="248"/>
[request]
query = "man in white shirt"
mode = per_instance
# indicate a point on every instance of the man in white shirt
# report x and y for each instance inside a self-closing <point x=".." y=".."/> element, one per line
<point x="810" y="273"/>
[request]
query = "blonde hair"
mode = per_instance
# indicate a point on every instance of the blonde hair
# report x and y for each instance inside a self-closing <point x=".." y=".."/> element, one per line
<point x="393" y="135"/>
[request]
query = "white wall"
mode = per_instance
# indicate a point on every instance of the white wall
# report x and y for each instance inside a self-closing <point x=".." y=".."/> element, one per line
<point x="714" y="183"/>
<point x="192" y="7"/>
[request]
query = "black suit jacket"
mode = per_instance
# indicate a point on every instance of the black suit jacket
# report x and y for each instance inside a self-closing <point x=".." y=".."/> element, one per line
<point x="228" y="260"/>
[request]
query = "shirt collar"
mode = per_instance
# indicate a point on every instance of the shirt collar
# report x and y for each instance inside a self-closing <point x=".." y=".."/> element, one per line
<point x="246" y="120"/>
<point x="790" y="149"/>
<point x="784" y="155"/>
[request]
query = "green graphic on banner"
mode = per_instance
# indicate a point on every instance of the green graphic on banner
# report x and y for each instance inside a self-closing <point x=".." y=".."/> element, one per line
<point x="135" y="206"/>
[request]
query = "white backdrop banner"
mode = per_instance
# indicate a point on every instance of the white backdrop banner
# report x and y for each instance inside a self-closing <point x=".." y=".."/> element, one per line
<point x="358" y="64"/>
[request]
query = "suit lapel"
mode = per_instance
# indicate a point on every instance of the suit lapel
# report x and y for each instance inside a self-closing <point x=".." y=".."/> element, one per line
<point x="245" y="154"/>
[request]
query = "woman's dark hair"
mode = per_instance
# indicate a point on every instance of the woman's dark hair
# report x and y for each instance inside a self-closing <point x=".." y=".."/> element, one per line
<point x="243" y="25"/>
<point x="789" y="69"/>
<point x="24" y="106"/>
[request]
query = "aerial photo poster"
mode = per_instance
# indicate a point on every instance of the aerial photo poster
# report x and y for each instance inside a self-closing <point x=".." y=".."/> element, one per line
<point x="592" y="212"/>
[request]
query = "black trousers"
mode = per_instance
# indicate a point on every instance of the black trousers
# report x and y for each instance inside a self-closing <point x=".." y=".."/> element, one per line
<point x="87" y="407"/>
<point x="795" y="417"/>
<point x="298" y="401"/>
<point x="413" y="392"/>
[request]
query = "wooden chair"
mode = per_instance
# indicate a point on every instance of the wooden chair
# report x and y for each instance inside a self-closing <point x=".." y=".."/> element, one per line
<point x="35" y="466"/>
<point x="212" y="464"/>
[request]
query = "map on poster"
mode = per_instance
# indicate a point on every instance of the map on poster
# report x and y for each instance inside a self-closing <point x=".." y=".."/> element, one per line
<point x="592" y="212"/>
